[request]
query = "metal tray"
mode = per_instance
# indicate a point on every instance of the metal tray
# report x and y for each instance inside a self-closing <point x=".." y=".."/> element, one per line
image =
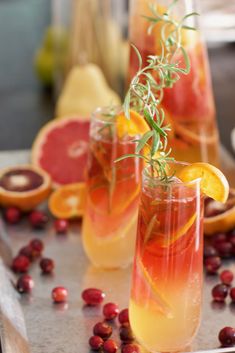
<point x="66" y="328"/>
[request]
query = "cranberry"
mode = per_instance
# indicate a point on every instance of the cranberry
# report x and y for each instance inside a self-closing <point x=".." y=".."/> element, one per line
<point x="38" y="219"/>
<point x="209" y="251"/>
<point x="110" y="346"/>
<point x="61" y="226"/>
<point x="130" y="348"/>
<point x="26" y="251"/>
<point x="219" y="292"/>
<point x="212" y="264"/>
<point x="37" y="247"/>
<point x="25" y="284"/>
<point x="231" y="235"/>
<point x="227" y="336"/>
<point x="20" y="264"/>
<point x="232" y="294"/>
<point x="47" y="265"/>
<point x="96" y="343"/>
<point x="110" y="311"/>
<point x="93" y="296"/>
<point x="12" y="215"/>
<point x="218" y="238"/>
<point x="123" y="316"/>
<point x="59" y="294"/>
<point x="224" y="248"/>
<point x="226" y="277"/>
<point x="102" y="330"/>
<point x="126" y="334"/>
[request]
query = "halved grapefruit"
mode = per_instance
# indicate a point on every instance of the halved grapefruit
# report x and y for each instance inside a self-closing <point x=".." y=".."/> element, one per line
<point x="219" y="217"/>
<point x="60" y="149"/>
<point x="23" y="186"/>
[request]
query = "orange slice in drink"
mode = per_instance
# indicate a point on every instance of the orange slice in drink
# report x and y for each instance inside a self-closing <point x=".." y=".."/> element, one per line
<point x="213" y="182"/>
<point x="68" y="201"/>
<point x="162" y="304"/>
<point x="134" y="126"/>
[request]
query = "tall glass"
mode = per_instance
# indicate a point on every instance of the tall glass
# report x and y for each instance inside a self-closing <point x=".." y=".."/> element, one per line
<point x="110" y="222"/>
<point x="166" y="294"/>
<point x="189" y="104"/>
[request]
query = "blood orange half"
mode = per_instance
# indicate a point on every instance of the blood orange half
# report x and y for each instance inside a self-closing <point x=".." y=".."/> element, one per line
<point x="60" y="149"/>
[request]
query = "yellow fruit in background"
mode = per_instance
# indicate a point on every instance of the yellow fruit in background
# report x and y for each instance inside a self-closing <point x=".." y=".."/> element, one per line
<point x="84" y="90"/>
<point x="50" y="58"/>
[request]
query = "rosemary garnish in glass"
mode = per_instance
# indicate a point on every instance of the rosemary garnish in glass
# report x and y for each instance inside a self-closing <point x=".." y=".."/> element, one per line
<point x="146" y="89"/>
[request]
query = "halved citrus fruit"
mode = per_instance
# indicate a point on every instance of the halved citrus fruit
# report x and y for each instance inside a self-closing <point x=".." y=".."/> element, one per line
<point x="23" y="186"/>
<point x="134" y="126"/>
<point x="68" y="201"/>
<point x="220" y="217"/>
<point x="60" y="148"/>
<point x="213" y="182"/>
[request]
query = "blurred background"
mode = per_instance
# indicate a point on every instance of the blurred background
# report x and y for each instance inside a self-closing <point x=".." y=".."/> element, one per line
<point x="35" y="36"/>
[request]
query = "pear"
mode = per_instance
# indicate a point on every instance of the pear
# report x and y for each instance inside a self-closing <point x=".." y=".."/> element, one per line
<point x="84" y="90"/>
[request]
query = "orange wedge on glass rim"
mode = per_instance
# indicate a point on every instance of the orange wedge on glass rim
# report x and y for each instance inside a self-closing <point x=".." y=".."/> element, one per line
<point x="213" y="182"/>
<point x="136" y="125"/>
<point x="68" y="201"/>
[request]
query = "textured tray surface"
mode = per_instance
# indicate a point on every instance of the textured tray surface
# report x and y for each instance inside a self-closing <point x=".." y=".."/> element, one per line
<point x="66" y="328"/>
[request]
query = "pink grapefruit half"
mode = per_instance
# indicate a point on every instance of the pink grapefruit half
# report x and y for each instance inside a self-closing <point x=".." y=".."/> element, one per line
<point x="60" y="149"/>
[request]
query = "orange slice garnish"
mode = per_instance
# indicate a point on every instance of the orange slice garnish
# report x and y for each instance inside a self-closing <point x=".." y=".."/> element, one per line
<point x="68" y="201"/>
<point x="213" y="182"/>
<point x="134" y="126"/>
<point x="162" y="304"/>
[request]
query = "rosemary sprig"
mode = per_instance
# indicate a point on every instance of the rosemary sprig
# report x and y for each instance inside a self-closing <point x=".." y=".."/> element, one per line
<point x="146" y="89"/>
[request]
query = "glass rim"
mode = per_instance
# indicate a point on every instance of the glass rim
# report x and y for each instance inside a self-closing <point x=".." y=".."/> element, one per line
<point x="99" y="111"/>
<point x="158" y="182"/>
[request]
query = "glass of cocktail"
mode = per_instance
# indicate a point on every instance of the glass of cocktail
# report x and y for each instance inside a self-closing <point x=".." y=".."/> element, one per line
<point x="189" y="104"/>
<point x="166" y="294"/>
<point x="110" y="221"/>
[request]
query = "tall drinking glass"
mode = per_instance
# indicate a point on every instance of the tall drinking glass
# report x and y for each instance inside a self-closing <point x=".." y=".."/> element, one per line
<point x="110" y="222"/>
<point x="166" y="294"/>
<point x="189" y="104"/>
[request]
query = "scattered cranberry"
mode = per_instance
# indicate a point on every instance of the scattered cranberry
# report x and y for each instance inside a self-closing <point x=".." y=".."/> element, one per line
<point x="219" y="292"/>
<point x="96" y="343"/>
<point x="226" y="277"/>
<point x="209" y="251"/>
<point x="59" y="294"/>
<point x="110" y="311"/>
<point x="110" y="346"/>
<point x="47" y="265"/>
<point x="25" y="284"/>
<point x="93" y="296"/>
<point x="224" y="249"/>
<point x="37" y="247"/>
<point x="12" y="215"/>
<point x="102" y="330"/>
<point x="26" y="251"/>
<point x="20" y="264"/>
<point x="123" y="316"/>
<point x="38" y="219"/>
<point x="61" y="226"/>
<point x="126" y="334"/>
<point x="130" y="348"/>
<point x="227" y="337"/>
<point x="231" y="235"/>
<point x="232" y="294"/>
<point x="212" y="264"/>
